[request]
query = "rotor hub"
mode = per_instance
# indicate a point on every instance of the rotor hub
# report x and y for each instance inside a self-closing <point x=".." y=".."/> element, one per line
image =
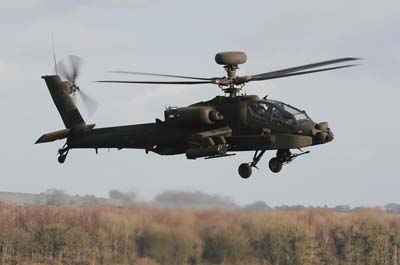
<point x="230" y="85"/>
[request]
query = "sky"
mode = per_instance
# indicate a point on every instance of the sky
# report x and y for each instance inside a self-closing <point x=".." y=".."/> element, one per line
<point x="182" y="37"/>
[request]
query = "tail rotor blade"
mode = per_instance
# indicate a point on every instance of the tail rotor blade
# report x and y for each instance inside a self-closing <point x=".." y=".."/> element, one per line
<point x="71" y="69"/>
<point x="90" y="103"/>
<point x="63" y="70"/>
<point x="73" y="95"/>
<point x="75" y="63"/>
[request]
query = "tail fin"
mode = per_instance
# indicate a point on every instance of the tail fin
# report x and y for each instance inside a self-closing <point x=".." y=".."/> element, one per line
<point x="60" y="92"/>
<point x="73" y="121"/>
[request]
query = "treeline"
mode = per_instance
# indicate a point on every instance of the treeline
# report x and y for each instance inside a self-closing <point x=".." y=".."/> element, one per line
<point x="151" y="236"/>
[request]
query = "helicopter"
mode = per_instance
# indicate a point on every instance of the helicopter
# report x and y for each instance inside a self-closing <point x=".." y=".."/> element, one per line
<point x="210" y="129"/>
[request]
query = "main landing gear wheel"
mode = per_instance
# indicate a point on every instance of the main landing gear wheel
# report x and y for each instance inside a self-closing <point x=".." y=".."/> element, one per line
<point x="245" y="170"/>
<point x="275" y="165"/>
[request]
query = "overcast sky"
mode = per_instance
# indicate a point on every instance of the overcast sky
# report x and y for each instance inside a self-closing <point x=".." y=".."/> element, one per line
<point x="181" y="37"/>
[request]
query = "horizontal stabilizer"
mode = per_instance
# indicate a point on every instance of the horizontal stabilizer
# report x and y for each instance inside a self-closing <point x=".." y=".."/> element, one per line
<point x="52" y="136"/>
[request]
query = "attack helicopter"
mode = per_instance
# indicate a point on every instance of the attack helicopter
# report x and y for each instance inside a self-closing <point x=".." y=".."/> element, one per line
<point x="210" y="129"/>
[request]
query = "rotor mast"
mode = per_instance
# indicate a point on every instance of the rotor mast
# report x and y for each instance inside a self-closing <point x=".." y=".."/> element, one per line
<point x="232" y="89"/>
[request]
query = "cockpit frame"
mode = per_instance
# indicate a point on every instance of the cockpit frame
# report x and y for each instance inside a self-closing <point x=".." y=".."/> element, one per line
<point x="276" y="115"/>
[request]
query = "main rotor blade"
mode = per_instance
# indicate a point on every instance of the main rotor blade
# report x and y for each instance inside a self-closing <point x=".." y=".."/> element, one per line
<point x="280" y="73"/>
<point x="306" y="72"/>
<point x="157" y="82"/>
<point x="163" y="75"/>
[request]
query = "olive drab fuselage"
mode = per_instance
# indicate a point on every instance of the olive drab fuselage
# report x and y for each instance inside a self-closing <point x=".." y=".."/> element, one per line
<point x="237" y="126"/>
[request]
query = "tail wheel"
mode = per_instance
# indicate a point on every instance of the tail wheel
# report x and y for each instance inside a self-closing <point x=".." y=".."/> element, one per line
<point x="245" y="170"/>
<point x="61" y="158"/>
<point x="62" y="154"/>
<point x="275" y="165"/>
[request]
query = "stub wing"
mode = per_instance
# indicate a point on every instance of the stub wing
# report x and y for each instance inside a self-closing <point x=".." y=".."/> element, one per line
<point x="209" y="144"/>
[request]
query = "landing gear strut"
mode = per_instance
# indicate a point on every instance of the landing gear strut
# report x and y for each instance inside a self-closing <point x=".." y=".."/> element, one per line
<point x="62" y="154"/>
<point x="245" y="169"/>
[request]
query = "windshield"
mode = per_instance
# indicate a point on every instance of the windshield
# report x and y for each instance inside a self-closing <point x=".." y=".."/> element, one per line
<point x="271" y="116"/>
<point x="259" y="111"/>
<point x="298" y="114"/>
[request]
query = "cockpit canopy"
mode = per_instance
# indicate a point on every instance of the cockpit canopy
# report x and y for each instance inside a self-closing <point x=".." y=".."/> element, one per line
<point x="298" y="114"/>
<point x="276" y="114"/>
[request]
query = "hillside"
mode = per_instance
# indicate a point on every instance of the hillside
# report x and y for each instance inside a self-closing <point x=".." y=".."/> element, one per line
<point x="170" y="199"/>
<point x="19" y="198"/>
<point x="53" y="197"/>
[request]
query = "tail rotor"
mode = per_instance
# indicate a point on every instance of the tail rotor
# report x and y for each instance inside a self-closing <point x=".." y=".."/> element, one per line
<point x="70" y="70"/>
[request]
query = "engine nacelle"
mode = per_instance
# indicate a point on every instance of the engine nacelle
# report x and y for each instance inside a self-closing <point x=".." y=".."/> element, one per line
<point x="193" y="115"/>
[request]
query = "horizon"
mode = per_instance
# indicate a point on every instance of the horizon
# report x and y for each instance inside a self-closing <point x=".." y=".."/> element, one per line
<point x="224" y="198"/>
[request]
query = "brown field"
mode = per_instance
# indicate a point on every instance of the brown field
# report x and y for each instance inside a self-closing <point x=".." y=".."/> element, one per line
<point x="147" y="236"/>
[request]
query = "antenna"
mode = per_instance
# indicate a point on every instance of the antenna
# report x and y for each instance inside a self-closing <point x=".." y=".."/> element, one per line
<point x="54" y="53"/>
